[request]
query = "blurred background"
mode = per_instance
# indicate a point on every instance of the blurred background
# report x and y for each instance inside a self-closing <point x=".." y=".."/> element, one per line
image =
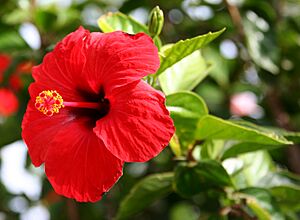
<point x="254" y="73"/>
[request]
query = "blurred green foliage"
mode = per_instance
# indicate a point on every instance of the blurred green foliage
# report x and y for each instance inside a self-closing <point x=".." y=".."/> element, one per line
<point x="215" y="168"/>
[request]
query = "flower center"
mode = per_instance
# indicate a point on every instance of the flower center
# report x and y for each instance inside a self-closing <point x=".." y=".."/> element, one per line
<point x="50" y="101"/>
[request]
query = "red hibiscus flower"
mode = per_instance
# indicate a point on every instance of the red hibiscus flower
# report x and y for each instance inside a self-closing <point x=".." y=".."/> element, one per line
<point x="8" y="102"/>
<point x="14" y="80"/>
<point x="90" y="111"/>
<point x="24" y="67"/>
<point x="4" y="64"/>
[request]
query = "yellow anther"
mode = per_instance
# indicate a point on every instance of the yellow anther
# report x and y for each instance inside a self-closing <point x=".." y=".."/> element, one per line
<point x="49" y="102"/>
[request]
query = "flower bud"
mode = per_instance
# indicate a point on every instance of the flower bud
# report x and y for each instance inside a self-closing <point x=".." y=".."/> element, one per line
<point x="156" y="21"/>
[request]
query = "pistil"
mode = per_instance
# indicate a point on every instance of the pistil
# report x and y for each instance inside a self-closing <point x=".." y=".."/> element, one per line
<point x="50" y="101"/>
<point x="90" y="105"/>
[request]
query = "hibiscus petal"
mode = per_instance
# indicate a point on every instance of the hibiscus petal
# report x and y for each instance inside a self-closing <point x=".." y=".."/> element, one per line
<point x="77" y="163"/>
<point x="138" y="125"/>
<point x="61" y="69"/>
<point x="117" y="58"/>
<point x="38" y="131"/>
<point x="79" y="166"/>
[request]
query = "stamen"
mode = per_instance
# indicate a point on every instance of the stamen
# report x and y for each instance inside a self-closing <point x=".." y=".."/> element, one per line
<point x="49" y="102"/>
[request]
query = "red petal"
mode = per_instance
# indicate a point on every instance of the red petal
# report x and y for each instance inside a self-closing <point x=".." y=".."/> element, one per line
<point x="116" y="59"/>
<point x="138" y="125"/>
<point x="79" y="166"/>
<point x="84" y="62"/>
<point x="61" y="69"/>
<point x="77" y="163"/>
<point x="38" y="131"/>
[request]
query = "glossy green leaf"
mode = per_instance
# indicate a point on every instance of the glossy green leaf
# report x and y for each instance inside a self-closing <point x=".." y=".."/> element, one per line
<point x="191" y="179"/>
<point x="183" y="48"/>
<point x="246" y="147"/>
<point x="144" y="193"/>
<point x="185" y="74"/>
<point x="255" y="166"/>
<point x="211" y="127"/>
<point x="186" y="104"/>
<point x="120" y="22"/>
<point x="289" y="135"/>
<point x="186" y="109"/>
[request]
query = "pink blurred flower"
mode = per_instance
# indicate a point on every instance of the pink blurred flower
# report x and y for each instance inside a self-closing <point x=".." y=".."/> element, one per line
<point x="244" y="104"/>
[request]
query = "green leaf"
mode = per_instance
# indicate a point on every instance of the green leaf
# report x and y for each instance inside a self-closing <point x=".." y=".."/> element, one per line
<point x="246" y="147"/>
<point x="186" y="104"/>
<point x="255" y="167"/>
<point x="17" y="16"/>
<point x="285" y="187"/>
<point x="288" y="197"/>
<point x="220" y="67"/>
<point x="144" y="193"/>
<point x="12" y="41"/>
<point x="289" y="135"/>
<point x="258" y="210"/>
<point x="183" y="210"/>
<point x="292" y="136"/>
<point x="120" y="22"/>
<point x="186" y="109"/>
<point x="191" y="179"/>
<point x="212" y="149"/>
<point x="185" y="74"/>
<point x="262" y="203"/>
<point x="211" y="127"/>
<point x="10" y="130"/>
<point x="45" y="19"/>
<point x="262" y="48"/>
<point x="183" y="48"/>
